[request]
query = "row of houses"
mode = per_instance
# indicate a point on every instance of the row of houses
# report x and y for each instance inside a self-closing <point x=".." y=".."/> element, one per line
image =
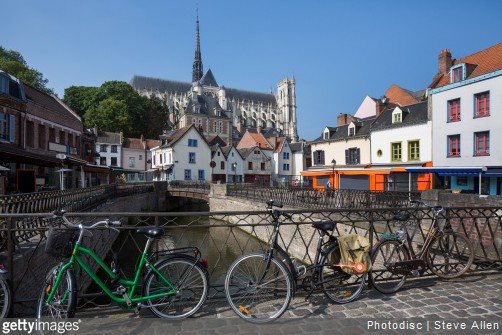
<point x="444" y="136"/>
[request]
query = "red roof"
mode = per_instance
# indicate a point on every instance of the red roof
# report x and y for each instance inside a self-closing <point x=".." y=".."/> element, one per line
<point x="485" y="61"/>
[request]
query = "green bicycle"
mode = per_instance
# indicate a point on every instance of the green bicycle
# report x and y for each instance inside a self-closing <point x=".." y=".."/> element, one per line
<point x="174" y="287"/>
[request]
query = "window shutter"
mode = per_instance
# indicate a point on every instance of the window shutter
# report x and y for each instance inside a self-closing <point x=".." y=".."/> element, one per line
<point x="358" y="156"/>
<point x="347" y="157"/>
<point x="12" y="130"/>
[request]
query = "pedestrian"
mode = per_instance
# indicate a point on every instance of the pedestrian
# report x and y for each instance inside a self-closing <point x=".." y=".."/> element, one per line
<point x="328" y="188"/>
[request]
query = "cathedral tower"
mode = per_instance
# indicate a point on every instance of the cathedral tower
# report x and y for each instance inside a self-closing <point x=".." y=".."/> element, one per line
<point x="197" y="62"/>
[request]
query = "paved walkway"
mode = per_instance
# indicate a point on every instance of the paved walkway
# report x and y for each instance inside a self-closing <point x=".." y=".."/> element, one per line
<point x="470" y="296"/>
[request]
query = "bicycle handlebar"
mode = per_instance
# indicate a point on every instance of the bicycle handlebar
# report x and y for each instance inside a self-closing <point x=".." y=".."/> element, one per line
<point x="271" y="204"/>
<point x="106" y="222"/>
<point x="437" y="209"/>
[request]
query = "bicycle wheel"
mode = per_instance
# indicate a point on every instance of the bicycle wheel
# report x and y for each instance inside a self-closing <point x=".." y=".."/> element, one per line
<point x="255" y="301"/>
<point x="384" y="255"/>
<point x="451" y="255"/>
<point x="338" y="285"/>
<point x="188" y="276"/>
<point x="63" y="302"/>
<point x="5" y="298"/>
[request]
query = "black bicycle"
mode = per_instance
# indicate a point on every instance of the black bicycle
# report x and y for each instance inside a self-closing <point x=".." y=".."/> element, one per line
<point x="259" y="285"/>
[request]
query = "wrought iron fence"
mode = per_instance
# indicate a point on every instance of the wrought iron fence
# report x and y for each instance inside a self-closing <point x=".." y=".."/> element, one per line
<point x="72" y="200"/>
<point x="330" y="198"/>
<point x="190" y="186"/>
<point x="224" y="236"/>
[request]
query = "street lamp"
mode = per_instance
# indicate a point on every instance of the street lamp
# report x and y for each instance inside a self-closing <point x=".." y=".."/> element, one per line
<point x="333" y="163"/>
<point x="234" y="165"/>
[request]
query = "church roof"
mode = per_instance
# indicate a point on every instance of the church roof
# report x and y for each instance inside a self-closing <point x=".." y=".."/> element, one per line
<point x="207" y="104"/>
<point x="244" y="95"/>
<point x="159" y="84"/>
<point x="208" y="79"/>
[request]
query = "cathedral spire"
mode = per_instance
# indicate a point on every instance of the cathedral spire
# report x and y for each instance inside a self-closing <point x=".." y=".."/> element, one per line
<point x="197" y="62"/>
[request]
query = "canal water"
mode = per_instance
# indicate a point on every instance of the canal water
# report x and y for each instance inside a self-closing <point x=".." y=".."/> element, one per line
<point x="219" y="245"/>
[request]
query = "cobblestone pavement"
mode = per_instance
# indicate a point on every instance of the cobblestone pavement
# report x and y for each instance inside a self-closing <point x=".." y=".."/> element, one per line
<point x="477" y="295"/>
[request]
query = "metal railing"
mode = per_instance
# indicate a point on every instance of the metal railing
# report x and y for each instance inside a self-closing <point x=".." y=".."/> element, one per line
<point x="190" y="186"/>
<point x="329" y="198"/>
<point x="224" y="236"/>
<point x="72" y="200"/>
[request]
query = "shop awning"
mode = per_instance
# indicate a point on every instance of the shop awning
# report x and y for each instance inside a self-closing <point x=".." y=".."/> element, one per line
<point x="450" y="171"/>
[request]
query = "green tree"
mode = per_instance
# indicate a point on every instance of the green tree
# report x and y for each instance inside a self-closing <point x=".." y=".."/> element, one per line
<point x="78" y="98"/>
<point x="110" y="115"/>
<point x="156" y="117"/>
<point x="14" y="64"/>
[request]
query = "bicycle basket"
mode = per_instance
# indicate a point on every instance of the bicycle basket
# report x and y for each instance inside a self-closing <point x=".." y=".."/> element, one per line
<point x="60" y="241"/>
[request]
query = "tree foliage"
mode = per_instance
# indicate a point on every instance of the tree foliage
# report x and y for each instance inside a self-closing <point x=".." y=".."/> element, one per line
<point x="14" y="64"/>
<point x="116" y="107"/>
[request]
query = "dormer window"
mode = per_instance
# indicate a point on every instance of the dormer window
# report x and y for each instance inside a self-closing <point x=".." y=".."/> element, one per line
<point x="326" y="135"/>
<point x="197" y="110"/>
<point x="218" y="113"/>
<point x="397" y="115"/>
<point x="4" y="85"/>
<point x="352" y="131"/>
<point x="457" y="73"/>
<point x="397" y="118"/>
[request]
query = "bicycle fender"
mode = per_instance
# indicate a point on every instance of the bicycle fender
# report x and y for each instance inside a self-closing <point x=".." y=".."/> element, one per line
<point x="5" y="275"/>
<point x="292" y="270"/>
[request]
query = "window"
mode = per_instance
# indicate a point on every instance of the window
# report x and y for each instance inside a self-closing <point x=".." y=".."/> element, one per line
<point x="114" y="161"/>
<point x="379" y="153"/>
<point x="215" y="124"/>
<point x="223" y="165"/>
<point x="197" y="110"/>
<point x="218" y="154"/>
<point x="191" y="157"/>
<point x="194" y="121"/>
<point x="285" y="167"/>
<point x="140" y="157"/>
<point x="352" y="156"/>
<point x="30" y="141"/>
<point x="200" y="123"/>
<point x="454" y="146"/>
<point x="102" y="161"/>
<point x="165" y="161"/>
<point x="61" y="137"/>
<point x="114" y="149"/>
<point x="286" y="155"/>
<point x="482" y="106"/>
<point x="221" y="127"/>
<point x="454" y="110"/>
<point x="482" y="143"/>
<point x="413" y="150"/>
<point x="250" y="165"/>
<point x="352" y="131"/>
<point x="457" y="74"/>
<point x="41" y="136"/>
<point x="4" y="85"/>
<point x="7" y="129"/>
<point x="102" y="148"/>
<point x="141" y="176"/>
<point x="326" y="135"/>
<point x="70" y="140"/>
<point x="131" y="177"/>
<point x="396" y="151"/>
<point x="170" y="158"/>
<point x="396" y="118"/>
<point x="52" y="135"/>
<point x="319" y="157"/>
<point x="131" y="161"/>
<point x="192" y="143"/>
<point x="201" y="175"/>
<point x="188" y="174"/>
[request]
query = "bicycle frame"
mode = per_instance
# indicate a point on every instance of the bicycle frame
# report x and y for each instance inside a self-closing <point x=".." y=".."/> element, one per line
<point x="131" y="285"/>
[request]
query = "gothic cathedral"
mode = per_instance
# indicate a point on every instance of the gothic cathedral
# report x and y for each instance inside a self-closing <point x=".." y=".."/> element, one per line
<point x="219" y="110"/>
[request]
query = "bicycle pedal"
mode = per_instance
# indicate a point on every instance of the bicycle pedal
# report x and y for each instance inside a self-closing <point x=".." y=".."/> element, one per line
<point x="137" y="309"/>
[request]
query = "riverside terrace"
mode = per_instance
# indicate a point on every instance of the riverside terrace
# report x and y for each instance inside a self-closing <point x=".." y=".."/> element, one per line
<point x="224" y="236"/>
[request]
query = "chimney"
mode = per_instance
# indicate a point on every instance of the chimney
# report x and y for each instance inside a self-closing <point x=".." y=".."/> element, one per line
<point x="239" y="127"/>
<point x="142" y="138"/>
<point x="342" y="119"/>
<point x="444" y="61"/>
<point x="258" y="129"/>
<point x="381" y="105"/>
<point x="121" y="137"/>
<point x="345" y="119"/>
<point x="96" y="130"/>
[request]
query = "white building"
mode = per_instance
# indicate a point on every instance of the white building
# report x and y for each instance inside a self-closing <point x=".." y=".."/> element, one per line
<point x="467" y="123"/>
<point x="182" y="154"/>
<point x="109" y="148"/>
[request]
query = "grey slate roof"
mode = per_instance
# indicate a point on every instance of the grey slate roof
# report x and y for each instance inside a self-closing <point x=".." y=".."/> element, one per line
<point x="108" y="137"/>
<point x="208" y="79"/>
<point x="342" y="132"/>
<point x="297" y="146"/>
<point x="162" y="85"/>
<point x="168" y="86"/>
<point x="207" y="106"/>
<point x="414" y="113"/>
<point x="244" y="152"/>
<point x="416" y="95"/>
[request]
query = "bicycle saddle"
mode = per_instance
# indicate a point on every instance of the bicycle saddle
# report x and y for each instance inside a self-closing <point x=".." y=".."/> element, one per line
<point x="151" y="232"/>
<point x="327" y="225"/>
<point x="402" y="217"/>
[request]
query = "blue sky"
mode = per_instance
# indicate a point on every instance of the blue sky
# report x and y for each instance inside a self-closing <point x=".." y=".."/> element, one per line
<point x="339" y="51"/>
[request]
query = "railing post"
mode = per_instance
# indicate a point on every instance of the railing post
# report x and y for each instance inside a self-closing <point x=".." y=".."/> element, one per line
<point x="10" y="251"/>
